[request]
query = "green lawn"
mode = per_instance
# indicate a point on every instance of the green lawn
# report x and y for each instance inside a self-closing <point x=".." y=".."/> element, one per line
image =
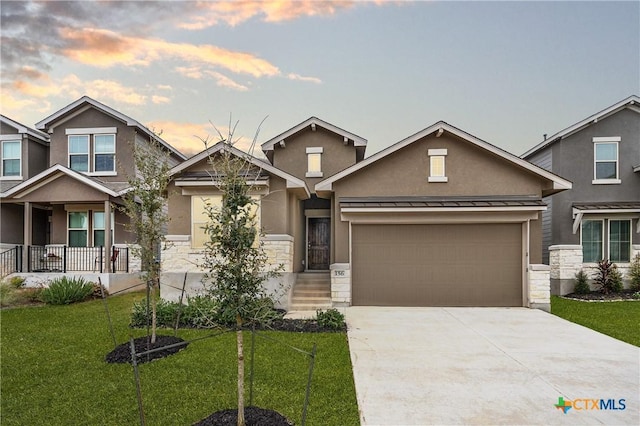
<point x="53" y="372"/>
<point x="616" y="319"/>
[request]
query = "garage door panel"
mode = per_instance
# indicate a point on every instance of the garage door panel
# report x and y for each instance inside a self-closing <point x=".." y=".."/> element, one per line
<point x="437" y="265"/>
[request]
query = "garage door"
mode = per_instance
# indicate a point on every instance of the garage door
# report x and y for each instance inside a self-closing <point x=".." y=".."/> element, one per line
<point x="437" y="265"/>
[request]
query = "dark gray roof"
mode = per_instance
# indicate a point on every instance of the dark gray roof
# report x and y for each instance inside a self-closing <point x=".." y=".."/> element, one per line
<point x="619" y="205"/>
<point x="487" y="201"/>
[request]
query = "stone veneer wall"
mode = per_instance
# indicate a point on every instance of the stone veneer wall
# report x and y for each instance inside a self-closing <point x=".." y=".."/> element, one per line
<point x="341" y="284"/>
<point x="539" y="287"/>
<point x="565" y="262"/>
<point x="181" y="265"/>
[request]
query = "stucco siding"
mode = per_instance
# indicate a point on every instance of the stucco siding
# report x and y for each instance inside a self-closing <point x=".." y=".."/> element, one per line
<point x="90" y="118"/>
<point x="38" y="159"/>
<point x="11" y="231"/>
<point x="471" y="171"/>
<point x="573" y="159"/>
<point x="65" y="189"/>
<point x="274" y="209"/>
<point x="293" y="158"/>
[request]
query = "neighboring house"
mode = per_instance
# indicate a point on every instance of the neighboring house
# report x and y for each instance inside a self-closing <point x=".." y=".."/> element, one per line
<point x="599" y="218"/>
<point x="75" y="169"/>
<point x="24" y="153"/>
<point x="440" y="218"/>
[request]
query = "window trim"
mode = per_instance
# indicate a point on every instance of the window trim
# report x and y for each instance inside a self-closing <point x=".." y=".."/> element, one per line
<point x="437" y="154"/>
<point x="95" y="153"/>
<point x="316" y="150"/>
<point x="91" y="133"/>
<point x="607" y="140"/>
<point x="602" y="246"/>
<point x="609" y="220"/>
<point x="86" y="228"/>
<point x="88" y="153"/>
<point x="2" y="142"/>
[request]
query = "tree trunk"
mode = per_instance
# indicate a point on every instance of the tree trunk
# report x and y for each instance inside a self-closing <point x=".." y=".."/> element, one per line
<point x="153" y="312"/>
<point x="240" y="372"/>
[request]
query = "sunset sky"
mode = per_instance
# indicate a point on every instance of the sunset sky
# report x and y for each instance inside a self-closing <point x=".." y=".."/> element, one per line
<point x="506" y="72"/>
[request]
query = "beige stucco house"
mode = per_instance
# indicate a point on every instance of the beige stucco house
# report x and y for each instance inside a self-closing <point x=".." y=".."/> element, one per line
<point x="440" y="218"/>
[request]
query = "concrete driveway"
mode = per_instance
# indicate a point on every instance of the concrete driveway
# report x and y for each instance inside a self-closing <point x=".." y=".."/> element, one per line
<point x="425" y="366"/>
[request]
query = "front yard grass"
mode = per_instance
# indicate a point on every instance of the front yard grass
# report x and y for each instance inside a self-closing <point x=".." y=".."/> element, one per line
<point x="53" y="372"/>
<point x="616" y="319"/>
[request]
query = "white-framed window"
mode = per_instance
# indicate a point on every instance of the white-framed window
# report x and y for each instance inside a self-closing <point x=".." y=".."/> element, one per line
<point x="11" y="159"/>
<point x="605" y="160"/>
<point x="104" y="153"/>
<point x="78" y="227"/>
<point x="314" y="162"/>
<point x="92" y="150"/>
<point x="79" y="153"/>
<point x="617" y="245"/>
<point x="620" y="240"/>
<point x="437" y="172"/>
<point x="200" y="218"/>
<point x="99" y="228"/>
<point x="592" y="241"/>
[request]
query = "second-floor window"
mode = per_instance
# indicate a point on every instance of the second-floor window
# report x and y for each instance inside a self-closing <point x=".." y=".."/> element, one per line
<point x="94" y="154"/>
<point x="437" y="165"/>
<point x="11" y="158"/>
<point x="605" y="167"/>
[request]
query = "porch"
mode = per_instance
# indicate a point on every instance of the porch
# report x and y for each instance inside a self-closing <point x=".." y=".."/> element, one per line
<point x="62" y="258"/>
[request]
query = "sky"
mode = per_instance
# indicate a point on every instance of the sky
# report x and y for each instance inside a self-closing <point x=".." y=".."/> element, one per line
<point x="505" y="72"/>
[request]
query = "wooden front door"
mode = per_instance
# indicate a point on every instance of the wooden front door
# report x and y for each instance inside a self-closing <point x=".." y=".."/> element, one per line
<point x="318" y="243"/>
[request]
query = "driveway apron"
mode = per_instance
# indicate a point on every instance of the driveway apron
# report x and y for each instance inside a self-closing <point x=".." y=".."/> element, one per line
<point x="427" y="366"/>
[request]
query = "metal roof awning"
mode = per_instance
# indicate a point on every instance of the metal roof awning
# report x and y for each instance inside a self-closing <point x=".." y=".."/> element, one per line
<point x="397" y="204"/>
<point x="619" y="207"/>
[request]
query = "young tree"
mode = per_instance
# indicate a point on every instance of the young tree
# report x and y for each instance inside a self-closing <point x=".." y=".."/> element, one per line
<point x="234" y="256"/>
<point x="145" y="206"/>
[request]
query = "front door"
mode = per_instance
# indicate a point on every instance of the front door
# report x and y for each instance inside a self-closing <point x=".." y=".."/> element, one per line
<point x="318" y="243"/>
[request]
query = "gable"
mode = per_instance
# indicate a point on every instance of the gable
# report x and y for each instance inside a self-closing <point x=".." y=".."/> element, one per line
<point x="549" y="183"/>
<point x="469" y="169"/>
<point x="62" y="189"/>
<point x="335" y="155"/>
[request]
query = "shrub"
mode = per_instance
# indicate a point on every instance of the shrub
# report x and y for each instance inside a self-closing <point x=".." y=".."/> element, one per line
<point x="98" y="289"/>
<point x="8" y="294"/>
<point x="65" y="290"/>
<point x="166" y="313"/>
<point x="582" y="283"/>
<point x="200" y="312"/>
<point x="634" y="273"/>
<point x="608" y="279"/>
<point x="332" y="319"/>
<point x="17" y="282"/>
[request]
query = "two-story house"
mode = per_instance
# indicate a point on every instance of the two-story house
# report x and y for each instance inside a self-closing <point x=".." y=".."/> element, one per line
<point x="61" y="210"/>
<point x="440" y="218"/>
<point x="599" y="218"/>
<point x="24" y="153"/>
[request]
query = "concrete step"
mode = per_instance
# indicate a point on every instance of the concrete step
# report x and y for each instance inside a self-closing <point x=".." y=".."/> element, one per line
<point x="312" y="287"/>
<point x="311" y="307"/>
<point x="310" y="299"/>
<point x="311" y="293"/>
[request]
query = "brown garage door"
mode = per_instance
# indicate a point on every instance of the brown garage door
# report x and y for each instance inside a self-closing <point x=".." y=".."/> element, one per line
<point x="437" y="265"/>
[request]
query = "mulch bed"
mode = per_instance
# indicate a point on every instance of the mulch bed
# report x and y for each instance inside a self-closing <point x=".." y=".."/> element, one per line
<point x="299" y="326"/>
<point x="253" y="416"/>
<point x="596" y="296"/>
<point x="122" y="353"/>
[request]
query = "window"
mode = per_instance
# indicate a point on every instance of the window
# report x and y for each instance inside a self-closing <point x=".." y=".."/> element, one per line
<point x="314" y="162"/>
<point x="11" y="158"/>
<point x="78" y="225"/>
<point x="437" y="165"/>
<point x="99" y="227"/>
<point x="592" y="241"/>
<point x="605" y="154"/>
<point x="199" y="217"/>
<point x="79" y="153"/>
<point x="104" y="149"/>
<point x="619" y="240"/>
<point x="92" y="150"/>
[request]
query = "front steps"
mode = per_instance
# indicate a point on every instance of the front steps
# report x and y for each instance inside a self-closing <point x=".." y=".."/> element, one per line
<point x="312" y="291"/>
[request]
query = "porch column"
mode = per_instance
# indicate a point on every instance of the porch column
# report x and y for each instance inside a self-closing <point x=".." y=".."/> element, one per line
<point x="27" y="233"/>
<point x="107" y="235"/>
